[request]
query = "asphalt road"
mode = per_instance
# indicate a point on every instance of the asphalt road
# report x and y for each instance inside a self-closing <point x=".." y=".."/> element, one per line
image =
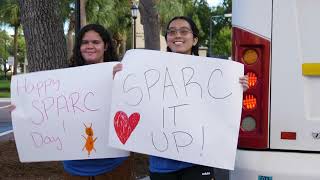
<point x="221" y="174"/>
<point x="5" y="116"/>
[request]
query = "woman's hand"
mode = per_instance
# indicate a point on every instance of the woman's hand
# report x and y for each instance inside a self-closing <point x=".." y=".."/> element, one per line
<point x="116" y="68"/>
<point x="10" y="107"/>
<point x="244" y="82"/>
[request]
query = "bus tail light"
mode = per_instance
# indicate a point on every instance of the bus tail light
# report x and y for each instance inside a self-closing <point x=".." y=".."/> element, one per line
<point x="254" y="52"/>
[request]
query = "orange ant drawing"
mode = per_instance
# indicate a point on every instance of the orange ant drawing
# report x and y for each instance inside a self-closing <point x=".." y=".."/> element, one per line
<point x="89" y="140"/>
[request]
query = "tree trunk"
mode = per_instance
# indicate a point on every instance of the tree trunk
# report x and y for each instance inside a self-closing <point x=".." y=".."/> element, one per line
<point x="83" y="15"/>
<point x="43" y="30"/>
<point x="122" y="49"/>
<point x="5" y="69"/>
<point x="15" y="49"/>
<point x="70" y="39"/>
<point x="151" y="24"/>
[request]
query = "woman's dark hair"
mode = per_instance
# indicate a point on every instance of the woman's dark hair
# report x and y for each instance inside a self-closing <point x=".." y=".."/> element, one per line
<point x="195" y="32"/>
<point x="109" y="53"/>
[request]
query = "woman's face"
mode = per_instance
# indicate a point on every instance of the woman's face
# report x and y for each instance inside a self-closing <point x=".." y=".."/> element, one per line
<point x="92" y="47"/>
<point x="179" y="37"/>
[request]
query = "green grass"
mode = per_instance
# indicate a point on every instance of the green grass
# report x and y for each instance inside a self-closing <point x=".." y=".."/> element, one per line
<point x="4" y="94"/>
<point x="4" y="88"/>
<point x="4" y="84"/>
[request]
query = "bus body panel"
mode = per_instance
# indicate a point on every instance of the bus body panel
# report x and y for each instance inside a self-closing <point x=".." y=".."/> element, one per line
<point x="242" y="13"/>
<point x="295" y="100"/>
<point x="258" y="165"/>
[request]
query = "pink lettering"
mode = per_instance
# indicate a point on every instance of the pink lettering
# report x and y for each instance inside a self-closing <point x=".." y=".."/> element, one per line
<point x="61" y="100"/>
<point x="85" y="102"/>
<point x="47" y="106"/>
<point x="34" y="105"/>
<point x="27" y="88"/>
<point x="39" y="140"/>
<point x="75" y="95"/>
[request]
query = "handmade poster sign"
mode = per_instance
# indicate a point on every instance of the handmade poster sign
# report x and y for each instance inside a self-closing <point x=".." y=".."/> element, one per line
<point x="177" y="106"/>
<point x="63" y="114"/>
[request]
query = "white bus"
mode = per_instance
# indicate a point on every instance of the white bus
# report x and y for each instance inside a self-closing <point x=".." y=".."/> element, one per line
<point x="279" y="43"/>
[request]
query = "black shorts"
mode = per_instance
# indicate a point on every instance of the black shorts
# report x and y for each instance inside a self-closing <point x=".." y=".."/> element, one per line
<point x="196" y="172"/>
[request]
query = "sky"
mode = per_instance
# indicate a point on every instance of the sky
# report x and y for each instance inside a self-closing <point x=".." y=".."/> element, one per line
<point x="214" y="2"/>
<point x="8" y="29"/>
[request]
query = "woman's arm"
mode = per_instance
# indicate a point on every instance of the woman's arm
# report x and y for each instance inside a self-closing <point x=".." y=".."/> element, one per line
<point x="9" y="107"/>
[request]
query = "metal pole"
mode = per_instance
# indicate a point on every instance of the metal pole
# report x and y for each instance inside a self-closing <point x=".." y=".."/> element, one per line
<point x="5" y="61"/>
<point x="134" y="33"/>
<point x="210" y="39"/>
<point x="77" y="17"/>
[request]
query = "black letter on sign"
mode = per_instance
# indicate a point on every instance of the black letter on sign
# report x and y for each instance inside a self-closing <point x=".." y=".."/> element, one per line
<point x="130" y="89"/>
<point x="160" y="150"/>
<point x="221" y="74"/>
<point x="165" y="86"/>
<point x="183" y="140"/>
<point x="154" y="83"/>
<point x="189" y="81"/>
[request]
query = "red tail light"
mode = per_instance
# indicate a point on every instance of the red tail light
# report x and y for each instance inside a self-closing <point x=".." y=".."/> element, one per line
<point x="254" y="52"/>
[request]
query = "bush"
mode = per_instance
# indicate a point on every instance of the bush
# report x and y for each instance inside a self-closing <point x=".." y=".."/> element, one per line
<point x="2" y="77"/>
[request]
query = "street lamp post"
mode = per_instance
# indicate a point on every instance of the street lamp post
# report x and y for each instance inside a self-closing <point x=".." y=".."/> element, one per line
<point x="134" y="14"/>
<point x="77" y="17"/>
<point x="210" y="39"/>
<point x="213" y="20"/>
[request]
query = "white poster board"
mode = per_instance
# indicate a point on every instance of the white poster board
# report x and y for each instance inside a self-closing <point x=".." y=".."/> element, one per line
<point x="177" y="106"/>
<point x="57" y="111"/>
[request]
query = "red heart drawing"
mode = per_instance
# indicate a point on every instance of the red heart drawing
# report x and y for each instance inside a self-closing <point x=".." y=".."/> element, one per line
<point x="124" y="126"/>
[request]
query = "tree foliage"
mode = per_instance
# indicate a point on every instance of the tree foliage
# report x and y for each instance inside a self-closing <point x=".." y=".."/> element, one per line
<point x="223" y="41"/>
<point x="10" y="15"/>
<point x="4" y="45"/>
<point x="115" y="16"/>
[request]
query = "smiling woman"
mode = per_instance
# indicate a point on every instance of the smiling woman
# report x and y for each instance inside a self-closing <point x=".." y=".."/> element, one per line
<point x="94" y="45"/>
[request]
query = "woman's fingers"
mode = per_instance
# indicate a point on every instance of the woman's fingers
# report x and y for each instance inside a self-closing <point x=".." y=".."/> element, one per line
<point x="12" y="107"/>
<point x="244" y="82"/>
<point x="116" y="68"/>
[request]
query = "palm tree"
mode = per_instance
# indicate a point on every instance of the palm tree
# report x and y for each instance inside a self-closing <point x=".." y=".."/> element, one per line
<point x="46" y="45"/>
<point x="10" y="15"/>
<point x="115" y="16"/>
<point x="83" y="15"/>
<point x="68" y="15"/>
<point x="151" y="23"/>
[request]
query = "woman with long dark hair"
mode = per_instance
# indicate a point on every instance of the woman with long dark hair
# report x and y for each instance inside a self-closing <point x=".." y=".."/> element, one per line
<point x="94" y="45"/>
